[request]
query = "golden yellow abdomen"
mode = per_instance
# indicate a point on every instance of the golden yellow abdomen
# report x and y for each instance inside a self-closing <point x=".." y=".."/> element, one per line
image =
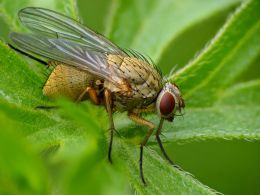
<point x="66" y="81"/>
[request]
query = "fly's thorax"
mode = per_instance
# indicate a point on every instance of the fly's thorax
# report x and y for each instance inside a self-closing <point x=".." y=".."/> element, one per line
<point x="140" y="82"/>
<point x="66" y="81"/>
<point x="136" y="73"/>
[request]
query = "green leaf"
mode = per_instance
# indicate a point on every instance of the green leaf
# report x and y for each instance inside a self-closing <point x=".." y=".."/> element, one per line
<point x="150" y="26"/>
<point x="230" y="53"/>
<point x="22" y="171"/>
<point x="16" y="74"/>
<point x="161" y="177"/>
<point x="93" y="166"/>
<point x="29" y="117"/>
<point x="9" y="10"/>
<point x="222" y="122"/>
<point x="246" y="94"/>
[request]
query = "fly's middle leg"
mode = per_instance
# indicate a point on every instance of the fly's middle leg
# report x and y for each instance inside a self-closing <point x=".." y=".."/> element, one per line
<point x="136" y="118"/>
<point x="92" y="95"/>
<point x="109" y="104"/>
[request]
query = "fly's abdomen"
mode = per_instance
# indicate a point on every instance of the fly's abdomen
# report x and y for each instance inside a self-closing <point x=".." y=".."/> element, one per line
<point x="66" y="81"/>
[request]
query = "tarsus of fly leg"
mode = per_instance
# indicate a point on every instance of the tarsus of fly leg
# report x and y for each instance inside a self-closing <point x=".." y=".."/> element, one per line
<point x="108" y="103"/>
<point x="136" y="118"/>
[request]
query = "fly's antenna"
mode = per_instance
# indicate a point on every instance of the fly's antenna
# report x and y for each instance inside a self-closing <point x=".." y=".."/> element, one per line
<point x="27" y="54"/>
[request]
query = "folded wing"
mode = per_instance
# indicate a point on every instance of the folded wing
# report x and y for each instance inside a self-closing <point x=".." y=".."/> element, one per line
<point x="60" y="38"/>
<point x="53" y="24"/>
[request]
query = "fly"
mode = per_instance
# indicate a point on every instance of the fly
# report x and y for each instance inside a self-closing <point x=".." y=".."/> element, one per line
<point x="89" y="66"/>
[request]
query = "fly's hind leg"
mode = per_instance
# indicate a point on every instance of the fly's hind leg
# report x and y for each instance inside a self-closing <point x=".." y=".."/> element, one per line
<point x="136" y="118"/>
<point x="109" y="105"/>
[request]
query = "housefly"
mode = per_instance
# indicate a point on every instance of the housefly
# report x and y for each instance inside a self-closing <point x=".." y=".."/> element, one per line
<point x="89" y="66"/>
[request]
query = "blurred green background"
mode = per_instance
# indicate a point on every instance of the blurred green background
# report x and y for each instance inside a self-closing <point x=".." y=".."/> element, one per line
<point x="215" y="163"/>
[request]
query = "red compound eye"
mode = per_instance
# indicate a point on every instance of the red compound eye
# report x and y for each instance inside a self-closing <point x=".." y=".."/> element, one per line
<point x="167" y="104"/>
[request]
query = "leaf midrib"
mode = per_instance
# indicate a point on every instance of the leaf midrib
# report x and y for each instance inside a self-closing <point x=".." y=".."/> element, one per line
<point x="208" y="46"/>
<point x="164" y="46"/>
<point x="224" y="60"/>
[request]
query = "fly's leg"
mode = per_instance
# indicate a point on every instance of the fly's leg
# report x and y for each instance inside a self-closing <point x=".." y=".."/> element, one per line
<point x="136" y="118"/>
<point x="43" y="107"/>
<point x="108" y="104"/>
<point x="82" y="94"/>
<point x="158" y="139"/>
<point x="141" y="110"/>
<point x="92" y="95"/>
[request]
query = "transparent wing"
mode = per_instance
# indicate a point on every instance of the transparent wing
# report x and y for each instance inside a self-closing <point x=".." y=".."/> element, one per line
<point x="65" y="51"/>
<point x="56" y="25"/>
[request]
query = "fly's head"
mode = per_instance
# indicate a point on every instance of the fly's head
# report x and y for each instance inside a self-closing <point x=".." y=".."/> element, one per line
<point x="169" y="101"/>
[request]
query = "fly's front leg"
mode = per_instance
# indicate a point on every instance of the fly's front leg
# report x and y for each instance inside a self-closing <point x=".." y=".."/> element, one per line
<point x="136" y="118"/>
<point x="109" y="104"/>
<point x="158" y="139"/>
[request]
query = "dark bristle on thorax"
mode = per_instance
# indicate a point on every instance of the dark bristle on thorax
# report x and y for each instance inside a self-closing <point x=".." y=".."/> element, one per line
<point x="147" y="59"/>
<point x="28" y="55"/>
